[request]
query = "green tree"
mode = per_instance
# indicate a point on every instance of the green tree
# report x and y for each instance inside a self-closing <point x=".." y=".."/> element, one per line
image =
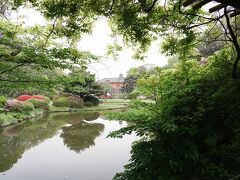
<point x="134" y="74"/>
<point x="83" y="83"/>
<point x="191" y="130"/>
<point x="29" y="56"/>
<point x="106" y="88"/>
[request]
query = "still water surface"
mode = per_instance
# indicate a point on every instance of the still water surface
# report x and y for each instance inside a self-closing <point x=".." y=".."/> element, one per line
<point x="63" y="146"/>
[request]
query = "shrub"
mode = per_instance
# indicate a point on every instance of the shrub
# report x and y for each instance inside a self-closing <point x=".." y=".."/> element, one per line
<point x="37" y="103"/>
<point x="15" y="105"/>
<point x="133" y="95"/>
<point x="62" y="95"/>
<point x="75" y="102"/>
<point x="27" y="97"/>
<point x="6" y="118"/>
<point x="23" y="97"/>
<point x="28" y="106"/>
<point x="70" y="101"/>
<point x="41" y="97"/>
<point x="92" y="99"/>
<point x="193" y="129"/>
<point x="121" y="96"/>
<point x="88" y="104"/>
<point x="61" y="102"/>
<point x="3" y="100"/>
<point x="38" y="97"/>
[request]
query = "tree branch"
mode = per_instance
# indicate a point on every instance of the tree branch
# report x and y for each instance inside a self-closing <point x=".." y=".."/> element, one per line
<point x="191" y="14"/>
<point x="151" y="7"/>
<point x="19" y="65"/>
<point x="235" y="43"/>
<point x="111" y="8"/>
<point x="50" y="33"/>
<point x="22" y="81"/>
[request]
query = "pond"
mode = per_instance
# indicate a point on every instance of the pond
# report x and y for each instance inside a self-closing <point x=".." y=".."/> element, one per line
<point x="63" y="146"/>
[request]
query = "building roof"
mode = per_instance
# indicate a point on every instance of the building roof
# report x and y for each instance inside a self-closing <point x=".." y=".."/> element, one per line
<point x="118" y="79"/>
<point x="111" y="80"/>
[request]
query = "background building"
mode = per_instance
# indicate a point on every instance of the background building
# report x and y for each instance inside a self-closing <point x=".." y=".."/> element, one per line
<point x="113" y="85"/>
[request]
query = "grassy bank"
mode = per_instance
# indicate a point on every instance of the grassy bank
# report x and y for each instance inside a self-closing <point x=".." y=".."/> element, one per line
<point x="108" y="104"/>
<point x="16" y="117"/>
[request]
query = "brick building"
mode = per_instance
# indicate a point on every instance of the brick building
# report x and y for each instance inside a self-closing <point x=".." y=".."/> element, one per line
<point x="115" y="84"/>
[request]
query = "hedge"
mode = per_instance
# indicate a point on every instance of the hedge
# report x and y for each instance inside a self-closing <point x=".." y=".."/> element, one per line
<point x="70" y="101"/>
<point x="15" y="105"/>
<point x="3" y="100"/>
<point x="91" y="99"/>
<point x="28" y="97"/>
<point x="60" y="102"/>
<point x="37" y="103"/>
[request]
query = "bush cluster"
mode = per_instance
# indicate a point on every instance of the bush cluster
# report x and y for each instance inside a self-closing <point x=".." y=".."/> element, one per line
<point x="60" y="102"/>
<point x="23" y="97"/>
<point x="3" y="100"/>
<point x="88" y="104"/>
<point x="5" y="118"/>
<point x="15" y="105"/>
<point x="75" y="102"/>
<point x="28" y="106"/>
<point x="70" y="101"/>
<point x="38" y="97"/>
<point x="37" y="103"/>
<point x="41" y="97"/>
<point x="192" y="130"/>
<point x="121" y="96"/>
<point x="91" y="100"/>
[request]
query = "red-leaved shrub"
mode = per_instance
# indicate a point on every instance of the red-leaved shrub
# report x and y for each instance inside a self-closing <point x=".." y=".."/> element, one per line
<point x="41" y="97"/>
<point x="37" y="97"/>
<point x="24" y="97"/>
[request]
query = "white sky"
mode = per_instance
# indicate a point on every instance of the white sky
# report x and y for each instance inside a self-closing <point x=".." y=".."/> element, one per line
<point x="97" y="43"/>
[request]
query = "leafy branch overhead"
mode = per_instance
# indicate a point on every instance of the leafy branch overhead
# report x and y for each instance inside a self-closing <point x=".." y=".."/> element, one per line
<point x="144" y="21"/>
<point x="27" y="47"/>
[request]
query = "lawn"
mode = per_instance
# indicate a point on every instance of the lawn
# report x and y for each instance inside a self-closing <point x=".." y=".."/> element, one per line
<point x="122" y="101"/>
<point x="108" y="104"/>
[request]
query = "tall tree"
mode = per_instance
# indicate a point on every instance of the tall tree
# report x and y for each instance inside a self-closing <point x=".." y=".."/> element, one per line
<point x="134" y="74"/>
<point x="82" y="83"/>
<point x="190" y="130"/>
<point x="28" y="55"/>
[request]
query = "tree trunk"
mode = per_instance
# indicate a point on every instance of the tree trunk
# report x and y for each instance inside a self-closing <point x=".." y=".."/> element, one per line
<point x="235" y="67"/>
<point x="235" y="44"/>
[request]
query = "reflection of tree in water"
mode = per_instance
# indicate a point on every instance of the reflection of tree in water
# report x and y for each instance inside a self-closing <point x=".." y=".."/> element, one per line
<point x="10" y="152"/>
<point x="74" y="118"/>
<point x="81" y="136"/>
<point x="15" y="140"/>
<point x="91" y="116"/>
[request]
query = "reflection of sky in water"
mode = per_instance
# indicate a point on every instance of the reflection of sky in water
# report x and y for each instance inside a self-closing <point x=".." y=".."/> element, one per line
<point x="52" y="159"/>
